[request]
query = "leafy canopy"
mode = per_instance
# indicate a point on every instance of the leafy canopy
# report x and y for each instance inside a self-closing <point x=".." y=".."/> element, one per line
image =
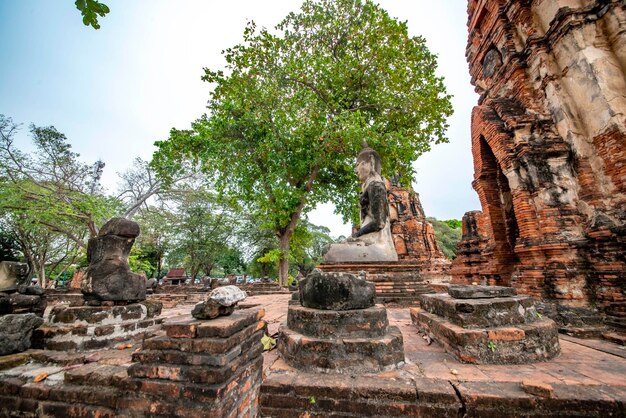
<point x="293" y="108"/>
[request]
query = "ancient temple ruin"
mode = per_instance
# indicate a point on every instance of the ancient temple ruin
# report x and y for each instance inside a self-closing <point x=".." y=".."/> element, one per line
<point x="549" y="145"/>
<point x="548" y="140"/>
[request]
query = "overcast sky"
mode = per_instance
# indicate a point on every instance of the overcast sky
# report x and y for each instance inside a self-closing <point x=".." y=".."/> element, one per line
<point x="116" y="90"/>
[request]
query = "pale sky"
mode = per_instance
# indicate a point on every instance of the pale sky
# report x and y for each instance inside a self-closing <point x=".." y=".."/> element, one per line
<point x="115" y="91"/>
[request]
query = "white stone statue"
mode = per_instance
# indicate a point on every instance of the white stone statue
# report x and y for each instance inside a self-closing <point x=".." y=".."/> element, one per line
<point x="373" y="241"/>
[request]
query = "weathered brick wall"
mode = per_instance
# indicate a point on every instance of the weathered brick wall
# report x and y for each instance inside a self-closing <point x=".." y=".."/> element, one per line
<point x="549" y="149"/>
<point x="198" y="368"/>
<point x="413" y="235"/>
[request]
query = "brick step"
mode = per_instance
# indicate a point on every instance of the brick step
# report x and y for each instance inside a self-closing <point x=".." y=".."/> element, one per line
<point x="615" y="322"/>
<point x="615" y="337"/>
<point x="583" y="332"/>
<point x="95" y="374"/>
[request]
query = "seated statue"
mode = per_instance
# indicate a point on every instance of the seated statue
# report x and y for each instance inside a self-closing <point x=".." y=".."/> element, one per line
<point x="373" y="241"/>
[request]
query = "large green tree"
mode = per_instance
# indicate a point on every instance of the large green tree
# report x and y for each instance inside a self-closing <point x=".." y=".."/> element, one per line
<point x="293" y="108"/>
<point x="51" y="201"/>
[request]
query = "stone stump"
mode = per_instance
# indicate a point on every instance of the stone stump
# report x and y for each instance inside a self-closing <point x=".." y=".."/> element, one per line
<point x="487" y="325"/>
<point x="337" y="327"/>
<point x="108" y="277"/>
<point x="21" y="307"/>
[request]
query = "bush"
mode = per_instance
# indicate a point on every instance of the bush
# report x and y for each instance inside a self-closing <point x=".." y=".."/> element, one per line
<point x="447" y="236"/>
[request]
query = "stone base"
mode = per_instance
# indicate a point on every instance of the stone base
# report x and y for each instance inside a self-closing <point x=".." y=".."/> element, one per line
<point x="398" y="283"/>
<point x="522" y="343"/>
<point x="295" y="394"/>
<point x="487" y="325"/>
<point x="96" y="327"/>
<point x="370" y="322"/>
<point x="481" y="313"/>
<point x="344" y="355"/>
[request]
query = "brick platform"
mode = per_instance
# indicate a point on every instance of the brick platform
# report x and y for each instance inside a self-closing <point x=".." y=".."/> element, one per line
<point x="198" y="368"/>
<point x="487" y="330"/>
<point x="288" y="394"/>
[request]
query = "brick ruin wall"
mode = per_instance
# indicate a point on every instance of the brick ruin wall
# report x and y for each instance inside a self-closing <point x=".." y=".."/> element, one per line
<point x="549" y="150"/>
<point x="413" y="234"/>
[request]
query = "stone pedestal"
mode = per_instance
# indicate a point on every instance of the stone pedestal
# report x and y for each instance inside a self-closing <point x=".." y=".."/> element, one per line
<point x="487" y="325"/>
<point x="198" y="369"/>
<point x="335" y="327"/>
<point x="212" y="366"/>
<point x="95" y="327"/>
<point x="398" y="283"/>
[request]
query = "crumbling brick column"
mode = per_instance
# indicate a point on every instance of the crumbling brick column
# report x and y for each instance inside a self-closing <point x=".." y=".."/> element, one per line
<point x="549" y="148"/>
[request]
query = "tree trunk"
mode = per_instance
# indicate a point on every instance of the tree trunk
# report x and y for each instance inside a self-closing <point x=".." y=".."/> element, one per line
<point x="283" y="262"/>
<point x="284" y="234"/>
<point x="41" y="272"/>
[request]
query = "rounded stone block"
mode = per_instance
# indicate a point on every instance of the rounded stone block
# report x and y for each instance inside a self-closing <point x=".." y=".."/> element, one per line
<point x="336" y="291"/>
<point x="342" y="355"/>
<point x="370" y="322"/>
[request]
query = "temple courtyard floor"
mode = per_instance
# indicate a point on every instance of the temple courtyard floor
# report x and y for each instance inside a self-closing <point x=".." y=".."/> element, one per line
<point x="582" y="361"/>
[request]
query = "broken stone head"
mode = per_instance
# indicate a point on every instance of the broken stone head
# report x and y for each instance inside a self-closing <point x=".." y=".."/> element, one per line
<point x="108" y="277"/>
<point x="220" y="302"/>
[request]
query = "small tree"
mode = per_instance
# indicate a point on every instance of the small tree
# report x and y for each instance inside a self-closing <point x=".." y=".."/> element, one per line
<point x="292" y="110"/>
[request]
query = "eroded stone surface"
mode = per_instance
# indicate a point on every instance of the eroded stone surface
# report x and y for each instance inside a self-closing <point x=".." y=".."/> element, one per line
<point x="478" y="292"/>
<point x="17" y="331"/>
<point x="336" y="291"/>
<point x="108" y="277"/>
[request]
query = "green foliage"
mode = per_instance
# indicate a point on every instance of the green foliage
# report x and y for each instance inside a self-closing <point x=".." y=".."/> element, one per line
<point x="156" y="237"/>
<point x="292" y="110"/>
<point x="492" y="346"/>
<point x="50" y="200"/>
<point x="140" y="262"/>
<point x="447" y="237"/>
<point x="203" y="228"/>
<point x="454" y="223"/>
<point x="90" y="10"/>
<point x="231" y="261"/>
<point x="271" y="257"/>
<point x="307" y="246"/>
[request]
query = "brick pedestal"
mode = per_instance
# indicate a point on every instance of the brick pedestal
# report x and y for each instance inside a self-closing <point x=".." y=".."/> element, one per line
<point x="487" y="328"/>
<point x="207" y="368"/>
<point x="199" y="368"/>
